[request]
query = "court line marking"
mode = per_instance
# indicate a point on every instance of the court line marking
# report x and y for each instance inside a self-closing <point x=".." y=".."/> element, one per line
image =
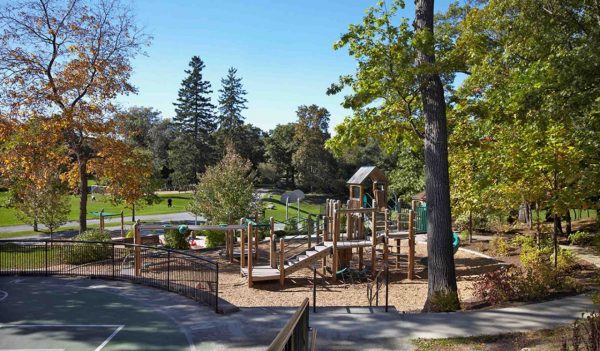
<point x="5" y="295"/>
<point x="110" y="338"/>
<point x="61" y="325"/>
<point x="99" y="348"/>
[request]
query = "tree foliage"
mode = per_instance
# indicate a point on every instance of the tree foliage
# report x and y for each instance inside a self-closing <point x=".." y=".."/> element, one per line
<point x="231" y="103"/>
<point x="225" y="192"/>
<point x="65" y="61"/>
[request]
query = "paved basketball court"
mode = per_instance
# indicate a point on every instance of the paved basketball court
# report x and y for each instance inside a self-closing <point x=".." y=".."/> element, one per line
<point x="58" y="315"/>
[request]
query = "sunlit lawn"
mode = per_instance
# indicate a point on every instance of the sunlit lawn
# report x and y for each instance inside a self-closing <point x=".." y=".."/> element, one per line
<point x="310" y="205"/>
<point x="180" y="201"/>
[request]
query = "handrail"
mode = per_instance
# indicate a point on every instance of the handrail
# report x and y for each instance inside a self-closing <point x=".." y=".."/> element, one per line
<point x="286" y="338"/>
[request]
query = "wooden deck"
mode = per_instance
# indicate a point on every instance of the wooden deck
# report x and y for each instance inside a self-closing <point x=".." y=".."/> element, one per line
<point x="349" y="243"/>
<point x="260" y="273"/>
<point x="398" y="235"/>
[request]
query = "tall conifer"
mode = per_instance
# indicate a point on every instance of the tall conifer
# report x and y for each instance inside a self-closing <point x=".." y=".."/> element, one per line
<point x="231" y="102"/>
<point x="194" y="111"/>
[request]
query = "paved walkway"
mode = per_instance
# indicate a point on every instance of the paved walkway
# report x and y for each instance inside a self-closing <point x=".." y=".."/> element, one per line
<point x="182" y="216"/>
<point x="338" y="328"/>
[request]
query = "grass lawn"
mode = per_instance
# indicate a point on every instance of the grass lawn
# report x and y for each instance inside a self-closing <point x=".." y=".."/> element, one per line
<point x="180" y="201"/>
<point x="312" y="204"/>
<point x="543" y="340"/>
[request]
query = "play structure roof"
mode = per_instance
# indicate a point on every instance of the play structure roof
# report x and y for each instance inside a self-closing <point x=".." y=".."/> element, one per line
<point x="367" y="172"/>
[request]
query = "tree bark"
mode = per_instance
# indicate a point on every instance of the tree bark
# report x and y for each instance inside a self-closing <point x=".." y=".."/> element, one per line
<point x="538" y="230"/>
<point x="35" y="225"/>
<point x="441" y="271"/>
<point x="83" y="188"/>
<point x="470" y="227"/>
<point x="133" y="212"/>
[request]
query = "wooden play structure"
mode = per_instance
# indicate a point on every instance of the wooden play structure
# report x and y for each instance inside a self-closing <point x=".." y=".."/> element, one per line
<point x="102" y="215"/>
<point x="365" y="221"/>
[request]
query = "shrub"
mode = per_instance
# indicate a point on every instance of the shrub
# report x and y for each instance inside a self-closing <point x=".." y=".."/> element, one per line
<point x="581" y="238"/>
<point x="495" y="287"/>
<point x="498" y="246"/>
<point x="523" y="241"/>
<point x="129" y="234"/>
<point x="214" y="238"/>
<point x="566" y="261"/>
<point x="175" y="240"/>
<point x="80" y="253"/>
<point x="445" y="301"/>
<point x="585" y="334"/>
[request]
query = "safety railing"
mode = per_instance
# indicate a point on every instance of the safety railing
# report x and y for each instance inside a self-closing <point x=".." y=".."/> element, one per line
<point x="297" y="239"/>
<point x="180" y="272"/>
<point x="295" y="334"/>
<point x="374" y="288"/>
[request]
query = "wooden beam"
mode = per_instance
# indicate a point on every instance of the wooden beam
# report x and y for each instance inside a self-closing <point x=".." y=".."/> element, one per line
<point x="281" y="263"/>
<point x="137" y="240"/>
<point x="272" y="258"/>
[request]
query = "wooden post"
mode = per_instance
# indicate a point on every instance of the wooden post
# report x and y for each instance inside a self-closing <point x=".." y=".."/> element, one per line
<point x="318" y="226"/>
<point x="309" y="229"/>
<point x="281" y="263"/>
<point x="122" y="225"/>
<point x="336" y="259"/>
<point x="324" y="265"/>
<point x="255" y="244"/>
<point x="326" y="228"/>
<point x="272" y="257"/>
<point x="349" y="228"/>
<point x="397" y="253"/>
<point x="242" y="249"/>
<point x="373" y="240"/>
<point x="137" y="240"/>
<point x="360" y="258"/>
<point x="250" y="282"/>
<point x="411" y="245"/>
<point x="101" y="219"/>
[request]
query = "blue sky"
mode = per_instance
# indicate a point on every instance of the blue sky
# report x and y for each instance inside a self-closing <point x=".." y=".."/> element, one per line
<point x="282" y="50"/>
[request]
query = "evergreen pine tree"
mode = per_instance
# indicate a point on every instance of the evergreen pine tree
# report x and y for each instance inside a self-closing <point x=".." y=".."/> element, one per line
<point x="231" y="103"/>
<point x="194" y="112"/>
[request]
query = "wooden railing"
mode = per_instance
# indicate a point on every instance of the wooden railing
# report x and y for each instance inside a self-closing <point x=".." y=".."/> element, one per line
<point x="295" y="333"/>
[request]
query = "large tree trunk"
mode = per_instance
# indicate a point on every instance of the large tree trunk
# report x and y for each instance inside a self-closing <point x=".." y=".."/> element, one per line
<point x="83" y="188"/>
<point x="441" y="273"/>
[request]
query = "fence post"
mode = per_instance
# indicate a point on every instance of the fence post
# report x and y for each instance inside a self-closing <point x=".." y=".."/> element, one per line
<point x="318" y="226"/>
<point x="387" y="283"/>
<point x="217" y="289"/>
<point x="272" y="243"/>
<point x="46" y="258"/>
<point x="309" y="228"/>
<point x="113" y="260"/>
<point x="169" y="270"/>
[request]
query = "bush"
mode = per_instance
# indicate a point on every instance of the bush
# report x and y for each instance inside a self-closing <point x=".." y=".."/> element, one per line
<point x="498" y="246"/>
<point x="523" y="241"/>
<point x="495" y="287"/>
<point x="80" y="253"/>
<point x="175" y="240"/>
<point x="566" y="261"/>
<point x="445" y="301"/>
<point x="129" y="234"/>
<point x="581" y="238"/>
<point x="585" y="334"/>
<point x="214" y="238"/>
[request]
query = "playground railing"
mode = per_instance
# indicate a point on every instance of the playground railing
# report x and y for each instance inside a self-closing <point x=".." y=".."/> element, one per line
<point x="295" y="334"/>
<point x="298" y="238"/>
<point x="180" y="272"/>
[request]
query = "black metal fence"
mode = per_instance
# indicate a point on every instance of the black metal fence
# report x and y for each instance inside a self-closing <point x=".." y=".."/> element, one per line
<point x="180" y="272"/>
<point x="295" y="334"/>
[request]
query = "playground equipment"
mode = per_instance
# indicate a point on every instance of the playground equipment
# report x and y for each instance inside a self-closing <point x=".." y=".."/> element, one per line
<point x="364" y="222"/>
<point x="101" y="214"/>
<point x="333" y="243"/>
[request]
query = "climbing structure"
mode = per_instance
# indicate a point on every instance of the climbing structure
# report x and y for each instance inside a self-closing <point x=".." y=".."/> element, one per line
<point x="364" y="221"/>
